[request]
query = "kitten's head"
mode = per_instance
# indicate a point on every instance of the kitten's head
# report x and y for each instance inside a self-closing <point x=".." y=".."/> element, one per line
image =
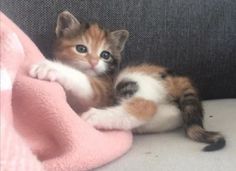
<point x="88" y="47"/>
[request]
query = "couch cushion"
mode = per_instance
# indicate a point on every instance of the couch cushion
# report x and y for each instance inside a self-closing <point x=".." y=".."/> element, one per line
<point x="172" y="151"/>
<point x="192" y="37"/>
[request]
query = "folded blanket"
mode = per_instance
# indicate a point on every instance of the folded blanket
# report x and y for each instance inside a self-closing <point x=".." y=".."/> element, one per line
<point x="39" y="130"/>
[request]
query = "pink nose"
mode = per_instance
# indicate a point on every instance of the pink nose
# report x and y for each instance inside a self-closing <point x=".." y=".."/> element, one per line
<point x="93" y="62"/>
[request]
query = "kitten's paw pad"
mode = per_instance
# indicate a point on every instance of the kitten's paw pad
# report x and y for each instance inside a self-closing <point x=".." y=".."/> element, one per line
<point x="43" y="71"/>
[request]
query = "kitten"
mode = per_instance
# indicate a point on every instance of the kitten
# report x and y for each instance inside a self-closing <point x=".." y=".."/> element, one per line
<point x="87" y="58"/>
<point x="152" y="99"/>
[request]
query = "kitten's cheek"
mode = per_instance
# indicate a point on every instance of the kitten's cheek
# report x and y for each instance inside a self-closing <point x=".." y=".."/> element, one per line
<point x="101" y="67"/>
<point x="82" y="65"/>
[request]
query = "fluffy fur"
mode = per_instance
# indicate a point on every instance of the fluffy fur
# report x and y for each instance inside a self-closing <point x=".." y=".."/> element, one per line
<point x="87" y="57"/>
<point x="151" y="99"/>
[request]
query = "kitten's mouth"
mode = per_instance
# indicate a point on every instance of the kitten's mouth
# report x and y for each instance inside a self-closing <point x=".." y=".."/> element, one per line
<point x="91" y="72"/>
<point x="93" y="67"/>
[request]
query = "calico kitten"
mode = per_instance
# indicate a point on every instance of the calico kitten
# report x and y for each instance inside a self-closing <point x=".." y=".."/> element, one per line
<point x="87" y="57"/>
<point x="151" y="99"/>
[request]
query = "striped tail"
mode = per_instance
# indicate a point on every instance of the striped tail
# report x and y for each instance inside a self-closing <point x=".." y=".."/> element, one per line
<point x="192" y="110"/>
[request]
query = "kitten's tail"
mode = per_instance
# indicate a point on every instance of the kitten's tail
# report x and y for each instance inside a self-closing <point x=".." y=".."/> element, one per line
<point x="191" y="108"/>
<point x="216" y="140"/>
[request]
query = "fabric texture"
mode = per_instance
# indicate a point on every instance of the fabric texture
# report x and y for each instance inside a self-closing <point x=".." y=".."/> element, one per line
<point x="194" y="38"/>
<point x="39" y="130"/>
<point x="172" y="151"/>
<point x="13" y="157"/>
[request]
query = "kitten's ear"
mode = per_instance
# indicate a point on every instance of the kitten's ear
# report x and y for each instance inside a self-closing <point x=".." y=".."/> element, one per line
<point x="66" y="23"/>
<point x="120" y="37"/>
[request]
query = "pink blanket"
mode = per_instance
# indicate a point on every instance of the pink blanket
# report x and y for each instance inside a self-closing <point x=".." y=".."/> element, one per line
<point x="39" y="131"/>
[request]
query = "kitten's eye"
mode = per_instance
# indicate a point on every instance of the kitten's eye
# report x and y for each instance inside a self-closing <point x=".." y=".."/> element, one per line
<point x="106" y="55"/>
<point x="81" y="49"/>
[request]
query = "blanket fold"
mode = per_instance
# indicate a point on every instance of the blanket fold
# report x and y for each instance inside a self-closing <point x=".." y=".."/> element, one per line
<point x="39" y="130"/>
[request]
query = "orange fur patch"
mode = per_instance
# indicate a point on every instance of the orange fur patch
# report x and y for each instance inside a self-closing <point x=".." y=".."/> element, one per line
<point x="96" y="38"/>
<point x="102" y="88"/>
<point x="145" y="68"/>
<point x="141" y="108"/>
<point x="177" y="85"/>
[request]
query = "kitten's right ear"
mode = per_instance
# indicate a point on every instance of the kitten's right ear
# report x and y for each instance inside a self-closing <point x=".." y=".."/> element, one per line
<point x="66" y="23"/>
<point x="120" y="36"/>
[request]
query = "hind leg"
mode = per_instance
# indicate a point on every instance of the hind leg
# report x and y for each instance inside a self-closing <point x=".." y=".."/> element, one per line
<point x="130" y="114"/>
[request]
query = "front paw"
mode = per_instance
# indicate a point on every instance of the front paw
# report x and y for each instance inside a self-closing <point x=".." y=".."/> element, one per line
<point x="94" y="118"/>
<point x="44" y="70"/>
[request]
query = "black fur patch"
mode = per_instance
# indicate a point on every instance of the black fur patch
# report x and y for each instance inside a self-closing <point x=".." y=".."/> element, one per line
<point x="113" y="66"/>
<point x="166" y="73"/>
<point x="126" y="89"/>
<point x="170" y="72"/>
<point x="163" y="75"/>
<point x="220" y="143"/>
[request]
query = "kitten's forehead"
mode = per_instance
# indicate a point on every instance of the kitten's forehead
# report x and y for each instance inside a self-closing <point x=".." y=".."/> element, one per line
<point x="95" y="36"/>
<point x="96" y="31"/>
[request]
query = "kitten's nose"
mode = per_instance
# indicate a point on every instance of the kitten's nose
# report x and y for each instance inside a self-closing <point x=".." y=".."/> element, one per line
<point x="93" y="62"/>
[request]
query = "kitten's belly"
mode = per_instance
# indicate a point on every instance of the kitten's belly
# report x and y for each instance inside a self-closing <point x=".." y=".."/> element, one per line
<point x="168" y="117"/>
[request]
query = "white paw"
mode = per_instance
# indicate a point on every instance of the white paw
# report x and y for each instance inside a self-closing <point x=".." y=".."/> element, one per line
<point x="94" y="118"/>
<point x="44" y="70"/>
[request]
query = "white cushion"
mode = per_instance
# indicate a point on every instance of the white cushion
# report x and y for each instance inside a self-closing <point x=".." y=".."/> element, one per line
<point x="172" y="151"/>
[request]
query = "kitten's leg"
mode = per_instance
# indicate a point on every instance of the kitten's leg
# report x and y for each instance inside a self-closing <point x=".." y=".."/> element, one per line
<point x="130" y="114"/>
<point x="111" y="118"/>
<point x="71" y="79"/>
<point x="138" y="103"/>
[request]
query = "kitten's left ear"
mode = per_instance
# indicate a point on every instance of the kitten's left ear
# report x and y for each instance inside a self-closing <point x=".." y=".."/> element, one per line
<point x="120" y="37"/>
